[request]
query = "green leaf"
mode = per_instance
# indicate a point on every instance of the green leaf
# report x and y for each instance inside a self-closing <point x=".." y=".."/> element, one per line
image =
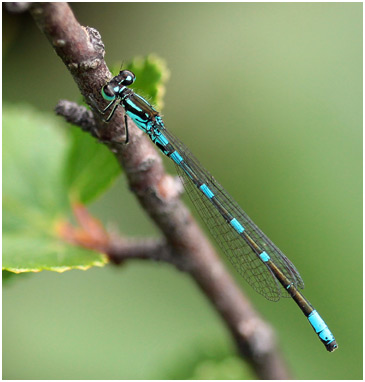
<point x="44" y="167"/>
<point x="90" y="167"/>
<point x="35" y="196"/>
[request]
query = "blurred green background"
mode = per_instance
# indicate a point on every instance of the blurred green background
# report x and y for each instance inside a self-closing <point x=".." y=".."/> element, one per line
<point x="269" y="97"/>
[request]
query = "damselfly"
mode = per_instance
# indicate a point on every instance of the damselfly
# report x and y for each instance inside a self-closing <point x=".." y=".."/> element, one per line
<point x="251" y="252"/>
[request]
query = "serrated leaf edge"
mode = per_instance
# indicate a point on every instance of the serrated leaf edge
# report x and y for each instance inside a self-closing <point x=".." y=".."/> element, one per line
<point x="62" y="269"/>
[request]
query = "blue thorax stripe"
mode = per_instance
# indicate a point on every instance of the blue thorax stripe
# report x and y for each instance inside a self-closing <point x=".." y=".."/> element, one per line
<point x="132" y="104"/>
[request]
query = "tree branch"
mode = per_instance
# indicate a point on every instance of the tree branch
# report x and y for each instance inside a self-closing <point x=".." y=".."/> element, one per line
<point x="82" y="51"/>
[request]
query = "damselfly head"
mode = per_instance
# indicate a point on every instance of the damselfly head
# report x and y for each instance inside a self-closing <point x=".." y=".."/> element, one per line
<point x="126" y="78"/>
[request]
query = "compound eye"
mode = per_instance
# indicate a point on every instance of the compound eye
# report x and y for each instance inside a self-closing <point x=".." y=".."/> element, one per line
<point x="108" y="92"/>
<point x="127" y="77"/>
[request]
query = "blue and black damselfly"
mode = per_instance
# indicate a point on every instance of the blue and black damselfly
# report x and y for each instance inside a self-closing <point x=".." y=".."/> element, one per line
<point x="252" y="253"/>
